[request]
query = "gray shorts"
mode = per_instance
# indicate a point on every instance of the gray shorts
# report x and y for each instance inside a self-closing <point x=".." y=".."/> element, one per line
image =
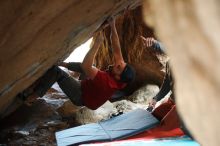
<point x="70" y="86"/>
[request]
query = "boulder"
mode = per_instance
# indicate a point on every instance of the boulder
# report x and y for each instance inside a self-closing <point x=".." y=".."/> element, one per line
<point x="189" y="30"/>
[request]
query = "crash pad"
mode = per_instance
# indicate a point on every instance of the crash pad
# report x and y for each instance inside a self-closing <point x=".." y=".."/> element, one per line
<point x="171" y="141"/>
<point x="116" y="128"/>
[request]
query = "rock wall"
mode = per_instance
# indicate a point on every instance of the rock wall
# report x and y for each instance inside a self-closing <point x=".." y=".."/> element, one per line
<point x="34" y="35"/>
<point x="190" y="30"/>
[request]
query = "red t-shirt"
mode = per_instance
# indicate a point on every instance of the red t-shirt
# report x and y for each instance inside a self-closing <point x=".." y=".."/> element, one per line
<point x="97" y="91"/>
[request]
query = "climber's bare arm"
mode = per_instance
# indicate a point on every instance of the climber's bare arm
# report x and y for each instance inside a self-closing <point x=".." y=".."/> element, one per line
<point x="115" y="43"/>
<point x="87" y="64"/>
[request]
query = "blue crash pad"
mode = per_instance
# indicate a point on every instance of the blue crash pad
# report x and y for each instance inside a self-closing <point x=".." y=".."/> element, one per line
<point x="118" y="127"/>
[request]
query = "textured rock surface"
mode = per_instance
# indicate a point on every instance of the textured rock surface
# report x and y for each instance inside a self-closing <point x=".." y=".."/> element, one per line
<point x="190" y="29"/>
<point x="36" y="34"/>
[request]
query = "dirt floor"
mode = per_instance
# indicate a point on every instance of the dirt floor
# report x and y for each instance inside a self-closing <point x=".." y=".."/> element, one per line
<point x="38" y="123"/>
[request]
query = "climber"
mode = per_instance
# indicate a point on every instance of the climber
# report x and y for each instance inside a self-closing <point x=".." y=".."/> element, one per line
<point x="150" y="42"/>
<point x="98" y="86"/>
<point x="165" y="110"/>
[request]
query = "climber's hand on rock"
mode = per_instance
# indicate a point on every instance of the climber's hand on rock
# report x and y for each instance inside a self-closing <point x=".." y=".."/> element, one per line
<point x="111" y="21"/>
<point x="149" y="41"/>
